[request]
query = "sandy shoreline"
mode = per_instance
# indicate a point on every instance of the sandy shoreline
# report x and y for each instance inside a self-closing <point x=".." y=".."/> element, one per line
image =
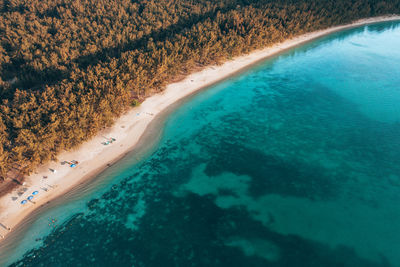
<point x="93" y="156"/>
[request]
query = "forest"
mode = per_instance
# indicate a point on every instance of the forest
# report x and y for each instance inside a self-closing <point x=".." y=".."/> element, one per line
<point x="68" y="68"/>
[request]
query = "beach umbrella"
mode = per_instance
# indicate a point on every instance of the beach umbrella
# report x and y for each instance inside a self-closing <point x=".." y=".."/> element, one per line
<point x="72" y="165"/>
<point x="35" y="192"/>
<point x="23" y="202"/>
<point x="30" y="197"/>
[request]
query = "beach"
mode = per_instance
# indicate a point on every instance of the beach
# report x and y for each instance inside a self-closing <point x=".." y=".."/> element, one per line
<point x="80" y="165"/>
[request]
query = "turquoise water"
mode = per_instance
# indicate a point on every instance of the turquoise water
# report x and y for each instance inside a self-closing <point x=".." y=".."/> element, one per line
<point x="293" y="163"/>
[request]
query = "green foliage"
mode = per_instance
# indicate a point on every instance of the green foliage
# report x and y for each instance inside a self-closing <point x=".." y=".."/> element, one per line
<point x="69" y="67"/>
<point x="135" y="103"/>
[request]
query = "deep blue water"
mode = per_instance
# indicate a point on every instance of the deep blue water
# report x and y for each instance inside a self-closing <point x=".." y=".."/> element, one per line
<point x="292" y="163"/>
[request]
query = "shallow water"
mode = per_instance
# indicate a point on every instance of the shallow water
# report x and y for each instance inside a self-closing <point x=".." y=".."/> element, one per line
<point x="293" y="163"/>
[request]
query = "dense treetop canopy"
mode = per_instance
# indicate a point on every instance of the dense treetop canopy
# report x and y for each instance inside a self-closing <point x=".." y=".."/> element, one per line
<point x="68" y="68"/>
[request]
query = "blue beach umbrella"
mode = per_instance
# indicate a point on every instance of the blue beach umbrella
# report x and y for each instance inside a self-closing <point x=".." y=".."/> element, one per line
<point x="30" y="197"/>
<point x="72" y="165"/>
<point x="35" y="192"/>
<point x="23" y="202"/>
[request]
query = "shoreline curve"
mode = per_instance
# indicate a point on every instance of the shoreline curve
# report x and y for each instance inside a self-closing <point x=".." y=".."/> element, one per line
<point x="131" y="131"/>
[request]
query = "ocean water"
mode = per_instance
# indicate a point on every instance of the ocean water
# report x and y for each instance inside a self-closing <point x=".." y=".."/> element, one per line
<point x="295" y="162"/>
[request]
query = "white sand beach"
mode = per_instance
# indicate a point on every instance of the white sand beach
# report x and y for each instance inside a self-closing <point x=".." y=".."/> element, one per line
<point x="93" y="156"/>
